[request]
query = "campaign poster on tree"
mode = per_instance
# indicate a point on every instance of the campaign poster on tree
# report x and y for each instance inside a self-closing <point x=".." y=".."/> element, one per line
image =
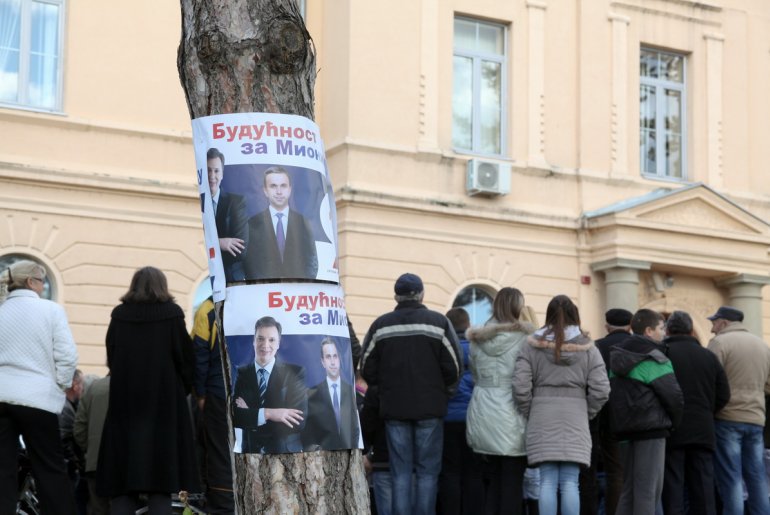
<point x="266" y="199"/>
<point x="292" y="378"/>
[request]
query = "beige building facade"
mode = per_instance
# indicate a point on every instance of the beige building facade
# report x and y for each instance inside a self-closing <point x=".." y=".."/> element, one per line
<point x="612" y="151"/>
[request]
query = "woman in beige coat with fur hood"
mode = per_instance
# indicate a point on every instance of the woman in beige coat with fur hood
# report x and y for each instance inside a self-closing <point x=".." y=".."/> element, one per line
<point x="559" y="384"/>
<point x="494" y="428"/>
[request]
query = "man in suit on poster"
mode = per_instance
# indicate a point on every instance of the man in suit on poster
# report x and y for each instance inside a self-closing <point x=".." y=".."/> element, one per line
<point x="270" y="396"/>
<point x="230" y="217"/>
<point x="332" y="416"/>
<point x="281" y="240"/>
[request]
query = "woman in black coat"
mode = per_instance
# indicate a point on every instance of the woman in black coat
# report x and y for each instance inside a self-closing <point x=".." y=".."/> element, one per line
<point x="147" y="443"/>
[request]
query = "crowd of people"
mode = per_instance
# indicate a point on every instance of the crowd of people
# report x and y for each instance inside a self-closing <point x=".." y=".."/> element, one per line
<point x="533" y="419"/>
<point x="508" y="417"/>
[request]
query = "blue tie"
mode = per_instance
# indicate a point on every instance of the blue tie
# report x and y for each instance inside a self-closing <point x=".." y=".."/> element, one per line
<point x="336" y="404"/>
<point x="262" y="386"/>
<point x="280" y="235"/>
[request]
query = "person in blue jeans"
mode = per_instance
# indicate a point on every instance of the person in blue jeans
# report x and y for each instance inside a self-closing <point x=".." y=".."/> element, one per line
<point x="740" y="424"/>
<point x="413" y="355"/>
<point x="559" y="383"/>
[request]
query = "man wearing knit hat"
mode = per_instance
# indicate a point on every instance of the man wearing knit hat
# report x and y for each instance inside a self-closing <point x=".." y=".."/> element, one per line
<point x="413" y="356"/>
<point x="739" y="425"/>
<point x="617" y="322"/>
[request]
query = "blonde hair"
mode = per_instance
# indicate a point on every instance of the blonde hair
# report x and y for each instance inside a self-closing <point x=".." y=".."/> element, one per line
<point x="15" y="276"/>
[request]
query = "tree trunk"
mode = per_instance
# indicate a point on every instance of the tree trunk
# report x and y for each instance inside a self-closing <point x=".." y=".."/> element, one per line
<point x="241" y="56"/>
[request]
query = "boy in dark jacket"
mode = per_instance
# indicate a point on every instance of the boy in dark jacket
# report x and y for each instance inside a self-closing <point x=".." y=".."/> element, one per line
<point x="645" y="406"/>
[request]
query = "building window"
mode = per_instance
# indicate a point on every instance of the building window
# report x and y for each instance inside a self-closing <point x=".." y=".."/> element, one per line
<point x="30" y="53"/>
<point x="48" y="286"/>
<point x="477" y="302"/>
<point x="661" y="114"/>
<point x="478" y="105"/>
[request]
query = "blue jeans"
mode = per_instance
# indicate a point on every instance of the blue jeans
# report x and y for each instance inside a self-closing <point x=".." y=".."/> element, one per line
<point x="740" y="448"/>
<point x="561" y="475"/>
<point x="383" y="491"/>
<point x="382" y="484"/>
<point x="415" y="445"/>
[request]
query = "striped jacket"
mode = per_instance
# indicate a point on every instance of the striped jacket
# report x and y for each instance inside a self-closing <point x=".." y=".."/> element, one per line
<point x="412" y="354"/>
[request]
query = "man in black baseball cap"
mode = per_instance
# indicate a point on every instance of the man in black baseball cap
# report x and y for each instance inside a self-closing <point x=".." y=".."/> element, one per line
<point x="727" y="313"/>
<point x="739" y="426"/>
<point x="408" y="284"/>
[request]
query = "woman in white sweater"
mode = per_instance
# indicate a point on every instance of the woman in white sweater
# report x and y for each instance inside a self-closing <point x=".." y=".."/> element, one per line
<point x="37" y="363"/>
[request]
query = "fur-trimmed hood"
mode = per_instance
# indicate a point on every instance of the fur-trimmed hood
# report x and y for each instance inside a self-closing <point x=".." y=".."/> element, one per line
<point x="580" y="343"/>
<point x="496" y="338"/>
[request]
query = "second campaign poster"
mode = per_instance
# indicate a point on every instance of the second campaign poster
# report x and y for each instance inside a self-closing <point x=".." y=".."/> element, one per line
<point x="291" y="367"/>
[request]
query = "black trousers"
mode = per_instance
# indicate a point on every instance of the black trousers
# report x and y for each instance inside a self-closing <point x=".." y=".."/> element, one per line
<point x="692" y="468"/>
<point x="503" y="478"/>
<point x="40" y="430"/>
<point x="589" y="484"/>
<point x="459" y="484"/>
<point x="217" y="471"/>
<point x="613" y="471"/>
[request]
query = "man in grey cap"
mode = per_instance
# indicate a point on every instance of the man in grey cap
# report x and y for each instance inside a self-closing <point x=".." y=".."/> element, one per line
<point x="413" y="356"/>
<point x="739" y="425"/>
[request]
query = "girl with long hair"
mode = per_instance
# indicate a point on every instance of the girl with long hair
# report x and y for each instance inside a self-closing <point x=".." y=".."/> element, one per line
<point x="560" y="382"/>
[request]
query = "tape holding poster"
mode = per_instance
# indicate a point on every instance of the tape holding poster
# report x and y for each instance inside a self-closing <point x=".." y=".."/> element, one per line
<point x="292" y="368"/>
<point x="267" y="200"/>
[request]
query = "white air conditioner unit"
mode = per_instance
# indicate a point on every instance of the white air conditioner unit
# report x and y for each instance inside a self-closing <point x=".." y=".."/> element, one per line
<point x="488" y="178"/>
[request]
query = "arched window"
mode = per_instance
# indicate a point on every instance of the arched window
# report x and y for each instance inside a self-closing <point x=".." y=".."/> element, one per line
<point x="477" y="301"/>
<point x="49" y="287"/>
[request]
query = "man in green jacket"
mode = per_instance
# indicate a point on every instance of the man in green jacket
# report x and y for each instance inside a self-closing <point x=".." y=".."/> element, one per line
<point x="646" y="404"/>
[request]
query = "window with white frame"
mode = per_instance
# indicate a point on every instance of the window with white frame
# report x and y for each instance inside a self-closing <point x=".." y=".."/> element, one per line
<point x="661" y="114"/>
<point x="478" y="102"/>
<point x="31" y="53"/>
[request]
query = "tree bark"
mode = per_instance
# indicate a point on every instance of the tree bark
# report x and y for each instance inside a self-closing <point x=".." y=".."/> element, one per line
<point x="241" y="56"/>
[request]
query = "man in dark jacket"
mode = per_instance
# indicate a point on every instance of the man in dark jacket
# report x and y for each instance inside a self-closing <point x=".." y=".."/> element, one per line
<point x="645" y="406"/>
<point x="690" y="450"/>
<point x="412" y="354"/>
<point x="618" y="326"/>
